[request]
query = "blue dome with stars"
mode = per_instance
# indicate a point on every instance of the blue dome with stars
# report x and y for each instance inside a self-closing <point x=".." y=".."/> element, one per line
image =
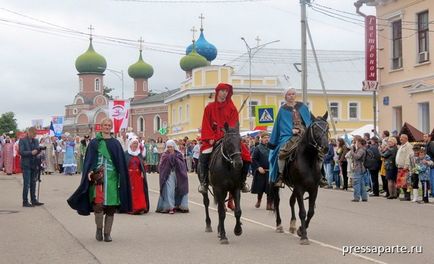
<point x="203" y="47"/>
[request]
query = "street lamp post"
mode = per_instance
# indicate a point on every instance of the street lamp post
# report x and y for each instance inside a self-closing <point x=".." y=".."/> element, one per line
<point x="251" y="54"/>
<point x="120" y="75"/>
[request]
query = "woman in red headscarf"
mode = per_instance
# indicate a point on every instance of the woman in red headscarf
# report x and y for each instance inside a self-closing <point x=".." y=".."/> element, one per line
<point x="216" y="114"/>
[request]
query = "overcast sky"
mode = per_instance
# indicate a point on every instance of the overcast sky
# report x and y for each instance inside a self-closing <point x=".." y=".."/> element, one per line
<point x="37" y="69"/>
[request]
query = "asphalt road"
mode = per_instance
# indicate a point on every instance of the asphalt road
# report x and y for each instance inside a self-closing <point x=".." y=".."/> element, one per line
<point x="54" y="233"/>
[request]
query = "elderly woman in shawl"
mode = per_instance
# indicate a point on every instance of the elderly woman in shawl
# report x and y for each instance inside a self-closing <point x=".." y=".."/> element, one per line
<point x="173" y="181"/>
<point x="137" y="174"/>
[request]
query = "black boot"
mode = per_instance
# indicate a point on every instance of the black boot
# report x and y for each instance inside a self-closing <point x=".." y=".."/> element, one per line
<point x="244" y="187"/>
<point x="204" y="171"/>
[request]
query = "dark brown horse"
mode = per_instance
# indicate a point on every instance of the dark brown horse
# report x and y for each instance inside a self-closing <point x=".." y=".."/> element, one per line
<point x="225" y="177"/>
<point x="304" y="174"/>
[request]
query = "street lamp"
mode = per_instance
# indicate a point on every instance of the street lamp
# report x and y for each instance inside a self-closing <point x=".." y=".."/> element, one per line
<point x="251" y="52"/>
<point x="119" y="74"/>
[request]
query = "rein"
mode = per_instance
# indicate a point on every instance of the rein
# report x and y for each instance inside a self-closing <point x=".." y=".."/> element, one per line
<point x="229" y="158"/>
<point x="313" y="142"/>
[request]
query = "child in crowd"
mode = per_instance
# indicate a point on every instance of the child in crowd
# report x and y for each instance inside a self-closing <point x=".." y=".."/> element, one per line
<point x="423" y="164"/>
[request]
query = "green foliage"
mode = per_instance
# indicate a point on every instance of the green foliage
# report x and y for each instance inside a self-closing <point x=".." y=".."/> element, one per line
<point x="107" y="91"/>
<point x="8" y="123"/>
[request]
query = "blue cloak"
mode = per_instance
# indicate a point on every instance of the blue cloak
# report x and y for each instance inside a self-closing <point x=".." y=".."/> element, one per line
<point x="282" y="132"/>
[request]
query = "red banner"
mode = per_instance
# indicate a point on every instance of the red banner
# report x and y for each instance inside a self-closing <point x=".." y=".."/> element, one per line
<point x="118" y="111"/>
<point x="371" y="48"/>
<point x="42" y="132"/>
<point x="98" y="127"/>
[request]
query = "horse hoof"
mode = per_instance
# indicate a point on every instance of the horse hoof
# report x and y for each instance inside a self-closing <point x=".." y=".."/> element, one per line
<point x="292" y="230"/>
<point x="299" y="232"/>
<point x="224" y="241"/>
<point x="238" y="231"/>
<point x="208" y="229"/>
<point x="304" y="241"/>
<point x="279" y="229"/>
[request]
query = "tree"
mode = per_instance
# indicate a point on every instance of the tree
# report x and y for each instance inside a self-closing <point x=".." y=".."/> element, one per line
<point x="106" y="92"/>
<point x="8" y="123"/>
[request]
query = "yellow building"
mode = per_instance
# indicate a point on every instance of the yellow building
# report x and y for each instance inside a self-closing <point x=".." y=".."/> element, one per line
<point x="263" y="78"/>
<point x="404" y="58"/>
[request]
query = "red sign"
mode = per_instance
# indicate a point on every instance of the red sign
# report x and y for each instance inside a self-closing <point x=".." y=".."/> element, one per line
<point x="42" y="132"/>
<point x="98" y="127"/>
<point x="371" y="48"/>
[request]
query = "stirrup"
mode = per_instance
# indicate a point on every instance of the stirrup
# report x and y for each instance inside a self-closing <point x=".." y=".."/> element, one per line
<point x="245" y="188"/>
<point x="279" y="183"/>
<point x="203" y="189"/>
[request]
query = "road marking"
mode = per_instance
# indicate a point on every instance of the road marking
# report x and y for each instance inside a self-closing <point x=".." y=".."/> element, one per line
<point x="286" y="232"/>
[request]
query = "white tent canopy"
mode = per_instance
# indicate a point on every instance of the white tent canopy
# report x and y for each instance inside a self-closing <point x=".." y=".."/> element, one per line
<point x="252" y="133"/>
<point x="362" y="130"/>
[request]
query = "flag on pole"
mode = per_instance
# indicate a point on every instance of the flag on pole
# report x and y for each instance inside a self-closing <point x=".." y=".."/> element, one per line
<point x="118" y="112"/>
<point x="51" y="129"/>
<point x="57" y="122"/>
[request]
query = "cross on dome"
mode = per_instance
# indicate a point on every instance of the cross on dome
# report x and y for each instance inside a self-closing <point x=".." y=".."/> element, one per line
<point x="90" y="31"/>
<point x="257" y="40"/>
<point x="141" y="43"/>
<point x="201" y="17"/>
<point x="194" y="30"/>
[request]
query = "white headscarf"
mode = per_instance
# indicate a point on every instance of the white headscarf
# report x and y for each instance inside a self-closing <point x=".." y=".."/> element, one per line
<point x="130" y="151"/>
<point x="172" y="143"/>
<point x="287" y="91"/>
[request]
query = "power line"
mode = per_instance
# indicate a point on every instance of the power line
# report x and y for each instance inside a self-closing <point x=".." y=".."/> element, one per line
<point x="191" y="1"/>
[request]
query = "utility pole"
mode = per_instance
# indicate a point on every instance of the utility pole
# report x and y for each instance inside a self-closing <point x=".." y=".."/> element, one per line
<point x="303" y="50"/>
<point x="332" y="121"/>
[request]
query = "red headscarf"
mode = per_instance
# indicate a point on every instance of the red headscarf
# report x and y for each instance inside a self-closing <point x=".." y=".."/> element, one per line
<point x="217" y="113"/>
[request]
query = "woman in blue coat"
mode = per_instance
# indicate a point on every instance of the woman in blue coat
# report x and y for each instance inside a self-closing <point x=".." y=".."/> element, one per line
<point x="292" y="119"/>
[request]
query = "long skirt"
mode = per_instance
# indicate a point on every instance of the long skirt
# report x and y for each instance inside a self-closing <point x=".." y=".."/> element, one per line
<point x="17" y="164"/>
<point x="169" y="199"/>
<point x="401" y="179"/>
<point x="8" y="160"/>
<point x="137" y="192"/>
<point x="260" y="183"/>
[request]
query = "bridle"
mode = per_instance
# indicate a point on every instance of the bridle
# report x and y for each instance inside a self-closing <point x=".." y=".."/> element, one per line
<point x="313" y="142"/>
<point x="229" y="158"/>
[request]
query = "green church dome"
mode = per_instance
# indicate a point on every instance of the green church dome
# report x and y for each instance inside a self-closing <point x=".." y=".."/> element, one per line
<point x="90" y="61"/>
<point x="140" y="69"/>
<point x="192" y="61"/>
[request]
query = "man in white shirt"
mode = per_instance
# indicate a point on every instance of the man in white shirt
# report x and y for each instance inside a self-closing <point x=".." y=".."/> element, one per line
<point x="403" y="164"/>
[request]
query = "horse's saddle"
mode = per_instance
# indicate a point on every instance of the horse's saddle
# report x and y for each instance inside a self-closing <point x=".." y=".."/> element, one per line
<point x="216" y="148"/>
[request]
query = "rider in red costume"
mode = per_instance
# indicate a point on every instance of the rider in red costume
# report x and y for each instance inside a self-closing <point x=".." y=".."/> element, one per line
<point x="216" y="114"/>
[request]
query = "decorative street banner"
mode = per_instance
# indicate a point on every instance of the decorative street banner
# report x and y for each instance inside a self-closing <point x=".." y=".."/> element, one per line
<point x="97" y="127"/>
<point x="265" y="115"/>
<point x="118" y="112"/>
<point x="57" y="125"/>
<point x="370" y="83"/>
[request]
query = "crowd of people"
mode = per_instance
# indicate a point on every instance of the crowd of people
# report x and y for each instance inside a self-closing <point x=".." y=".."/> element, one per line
<point x="401" y="167"/>
<point x="114" y="169"/>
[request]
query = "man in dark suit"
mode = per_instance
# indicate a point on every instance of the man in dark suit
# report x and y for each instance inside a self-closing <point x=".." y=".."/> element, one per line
<point x="29" y="149"/>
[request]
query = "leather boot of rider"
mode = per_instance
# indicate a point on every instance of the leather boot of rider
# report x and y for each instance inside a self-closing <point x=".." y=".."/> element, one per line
<point x="279" y="181"/>
<point x="244" y="187"/>
<point x="204" y="171"/>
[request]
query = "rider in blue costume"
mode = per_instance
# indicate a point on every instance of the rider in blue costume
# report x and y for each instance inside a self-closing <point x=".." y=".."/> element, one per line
<point x="291" y="122"/>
